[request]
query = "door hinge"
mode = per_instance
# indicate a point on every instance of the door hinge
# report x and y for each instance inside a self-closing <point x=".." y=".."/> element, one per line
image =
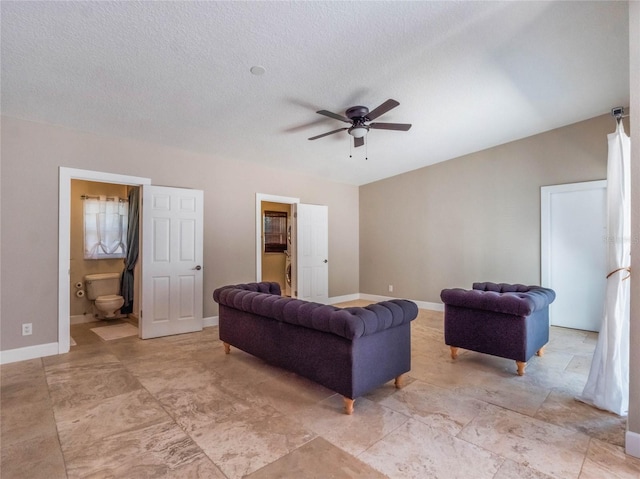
<point x="140" y="314"/>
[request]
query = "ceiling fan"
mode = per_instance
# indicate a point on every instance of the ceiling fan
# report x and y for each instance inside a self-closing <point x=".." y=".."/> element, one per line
<point x="359" y="117"/>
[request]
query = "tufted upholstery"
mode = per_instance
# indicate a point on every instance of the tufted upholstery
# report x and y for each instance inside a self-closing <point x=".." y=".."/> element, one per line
<point x="350" y="350"/>
<point x="349" y="323"/>
<point x="505" y="320"/>
<point x="517" y="299"/>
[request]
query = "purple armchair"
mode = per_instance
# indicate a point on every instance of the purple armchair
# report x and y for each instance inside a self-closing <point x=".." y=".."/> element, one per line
<point x="506" y="320"/>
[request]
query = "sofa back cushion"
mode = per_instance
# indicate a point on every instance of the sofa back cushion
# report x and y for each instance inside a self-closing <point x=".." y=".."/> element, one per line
<point x="502" y="287"/>
<point x="349" y="323"/>
<point x="517" y="300"/>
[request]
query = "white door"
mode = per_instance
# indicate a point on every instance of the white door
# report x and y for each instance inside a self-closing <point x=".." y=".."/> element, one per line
<point x="574" y="252"/>
<point x="311" y="259"/>
<point x="172" y="237"/>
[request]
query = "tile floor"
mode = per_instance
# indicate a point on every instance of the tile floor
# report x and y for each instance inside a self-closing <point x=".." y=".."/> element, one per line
<point x="178" y="407"/>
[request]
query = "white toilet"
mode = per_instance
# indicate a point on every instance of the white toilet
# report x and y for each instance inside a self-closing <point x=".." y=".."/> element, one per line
<point x="103" y="289"/>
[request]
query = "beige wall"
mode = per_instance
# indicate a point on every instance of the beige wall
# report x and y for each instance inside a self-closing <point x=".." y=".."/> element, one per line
<point x="33" y="152"/>
<point x="634" y="357"/>
<point x="473" y="218"/>
<point x="79" y="267"/>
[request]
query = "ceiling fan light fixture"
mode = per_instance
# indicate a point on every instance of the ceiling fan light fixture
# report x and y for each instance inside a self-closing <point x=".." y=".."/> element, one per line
<point x="358" y="117"/>
<point x="358" y="131"/>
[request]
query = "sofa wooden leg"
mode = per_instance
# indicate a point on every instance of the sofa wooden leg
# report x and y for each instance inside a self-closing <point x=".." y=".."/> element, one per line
<point x="227" y="347"/>
<point x="399" y="382"/>
<point x="521" y="365"/>
<point x="348" y="405"/>
<point x="540" y="351"/>
<point x="454" y="352"/>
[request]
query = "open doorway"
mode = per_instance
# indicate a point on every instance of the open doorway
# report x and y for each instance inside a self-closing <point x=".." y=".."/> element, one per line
<point x="308" y="251"/>
<point x="272" y="263"/>
<point x="66" y="175"/>
<point x="99" y="229"/>
<point x="276" y="245"/>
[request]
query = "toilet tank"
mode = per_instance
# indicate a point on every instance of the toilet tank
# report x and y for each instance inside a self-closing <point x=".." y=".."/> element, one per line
<point x="102" y="284"/>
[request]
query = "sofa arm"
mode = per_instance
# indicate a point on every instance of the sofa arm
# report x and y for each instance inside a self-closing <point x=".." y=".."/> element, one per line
<point x="262" y="287"/>
<point x="515" y="303"/>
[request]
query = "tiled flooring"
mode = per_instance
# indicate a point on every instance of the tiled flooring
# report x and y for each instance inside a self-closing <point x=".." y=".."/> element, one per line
<point x="179" y="407"/>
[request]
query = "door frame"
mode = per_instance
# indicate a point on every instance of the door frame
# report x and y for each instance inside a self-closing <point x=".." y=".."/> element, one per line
<point x="260" y="197"/>
<point x="64" y="238"/>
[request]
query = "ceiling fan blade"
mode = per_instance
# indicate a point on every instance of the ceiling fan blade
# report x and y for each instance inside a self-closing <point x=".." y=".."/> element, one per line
<point x="382" y="109"/>
<point x="390" y="126"/>
<point x="358" y="142"/>
<point x="335" y="116"/>
<point x="328" y="133"/>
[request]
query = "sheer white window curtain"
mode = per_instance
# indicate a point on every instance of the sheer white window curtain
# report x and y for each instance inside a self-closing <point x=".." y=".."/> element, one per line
<point x="105" y="227"/>
<point x="608" y="383"/>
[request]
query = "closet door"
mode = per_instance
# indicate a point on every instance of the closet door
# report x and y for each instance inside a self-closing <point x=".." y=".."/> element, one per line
<point x="310" y="280"/>
<point x="574" y="252"/>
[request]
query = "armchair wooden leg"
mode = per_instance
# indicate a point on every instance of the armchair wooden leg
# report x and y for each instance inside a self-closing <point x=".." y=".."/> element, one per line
<point x="454" y="352"/>
<point x="399" y="382"/>
<point x="348" y="405"/>
<point x="540" y="351"/>
<point x="227" y="347"/>
<point x="521" y="365"/>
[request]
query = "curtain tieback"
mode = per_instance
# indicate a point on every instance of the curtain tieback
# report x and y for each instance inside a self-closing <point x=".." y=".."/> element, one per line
<point x="628" y="269"/>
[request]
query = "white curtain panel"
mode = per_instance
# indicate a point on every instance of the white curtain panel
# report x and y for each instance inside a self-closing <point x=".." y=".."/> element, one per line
<point x="105" y="227"/>
<point x="608" y="383"/>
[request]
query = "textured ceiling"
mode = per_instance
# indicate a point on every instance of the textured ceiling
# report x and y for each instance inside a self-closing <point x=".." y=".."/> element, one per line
<point x="468" y="75"/>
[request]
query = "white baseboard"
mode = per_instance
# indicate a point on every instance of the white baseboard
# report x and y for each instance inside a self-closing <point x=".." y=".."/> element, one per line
<point x="28" y="352"/>
<point x="420" y="304"/>
<point x="343" y="299"/>
<point x="51" y="349"/>
<point x="378" y="298"/>
<point x="632" y="444"/>
<point x="82" y="318"/>
<point x="430" y="306"/>
<point x="210" y="321"/>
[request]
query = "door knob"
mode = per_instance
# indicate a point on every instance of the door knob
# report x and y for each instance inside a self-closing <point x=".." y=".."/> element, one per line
<point x="198" y="268"/>
<point x="326" y="261"/>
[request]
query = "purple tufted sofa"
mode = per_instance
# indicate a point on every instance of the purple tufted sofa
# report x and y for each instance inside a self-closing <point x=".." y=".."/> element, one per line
<point x="351" y="350"/>
<point x="506" y="320"/>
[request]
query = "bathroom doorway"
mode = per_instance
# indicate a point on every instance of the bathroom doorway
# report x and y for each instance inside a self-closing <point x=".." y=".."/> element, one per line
<point x="66" y="175"/>
<point x="103" y="250"/>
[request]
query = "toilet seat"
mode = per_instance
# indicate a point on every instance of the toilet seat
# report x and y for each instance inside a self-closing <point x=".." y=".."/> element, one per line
<point x="108" y="297"/>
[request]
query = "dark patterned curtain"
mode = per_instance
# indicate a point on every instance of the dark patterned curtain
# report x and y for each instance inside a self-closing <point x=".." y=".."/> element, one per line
<point x="132" y="250"/>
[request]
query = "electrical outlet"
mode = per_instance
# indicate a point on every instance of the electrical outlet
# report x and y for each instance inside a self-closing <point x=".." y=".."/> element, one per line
<point x="391" y="288"/>
<point x="27" y="329"/>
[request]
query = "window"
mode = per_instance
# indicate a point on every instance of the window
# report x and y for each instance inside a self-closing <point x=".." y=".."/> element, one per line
<point x="105" y="227"/>
<point x="275" y="231"/>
